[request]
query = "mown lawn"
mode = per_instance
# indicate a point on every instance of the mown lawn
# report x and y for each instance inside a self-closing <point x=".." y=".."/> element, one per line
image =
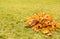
<point x="14" y="12"/>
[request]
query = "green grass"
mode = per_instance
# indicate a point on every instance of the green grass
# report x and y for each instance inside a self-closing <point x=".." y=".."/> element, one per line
<point x="14" y="12"/>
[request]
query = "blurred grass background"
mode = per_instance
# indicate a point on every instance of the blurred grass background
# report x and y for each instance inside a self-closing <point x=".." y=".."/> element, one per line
<point x="14" y="12"/>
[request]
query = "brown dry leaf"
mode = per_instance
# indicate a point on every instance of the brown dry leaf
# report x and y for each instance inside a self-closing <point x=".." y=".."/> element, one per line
<point x="42" y="22"/>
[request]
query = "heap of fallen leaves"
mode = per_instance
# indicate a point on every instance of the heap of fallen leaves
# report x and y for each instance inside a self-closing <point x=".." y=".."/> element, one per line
<point x="42" y="22"/>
